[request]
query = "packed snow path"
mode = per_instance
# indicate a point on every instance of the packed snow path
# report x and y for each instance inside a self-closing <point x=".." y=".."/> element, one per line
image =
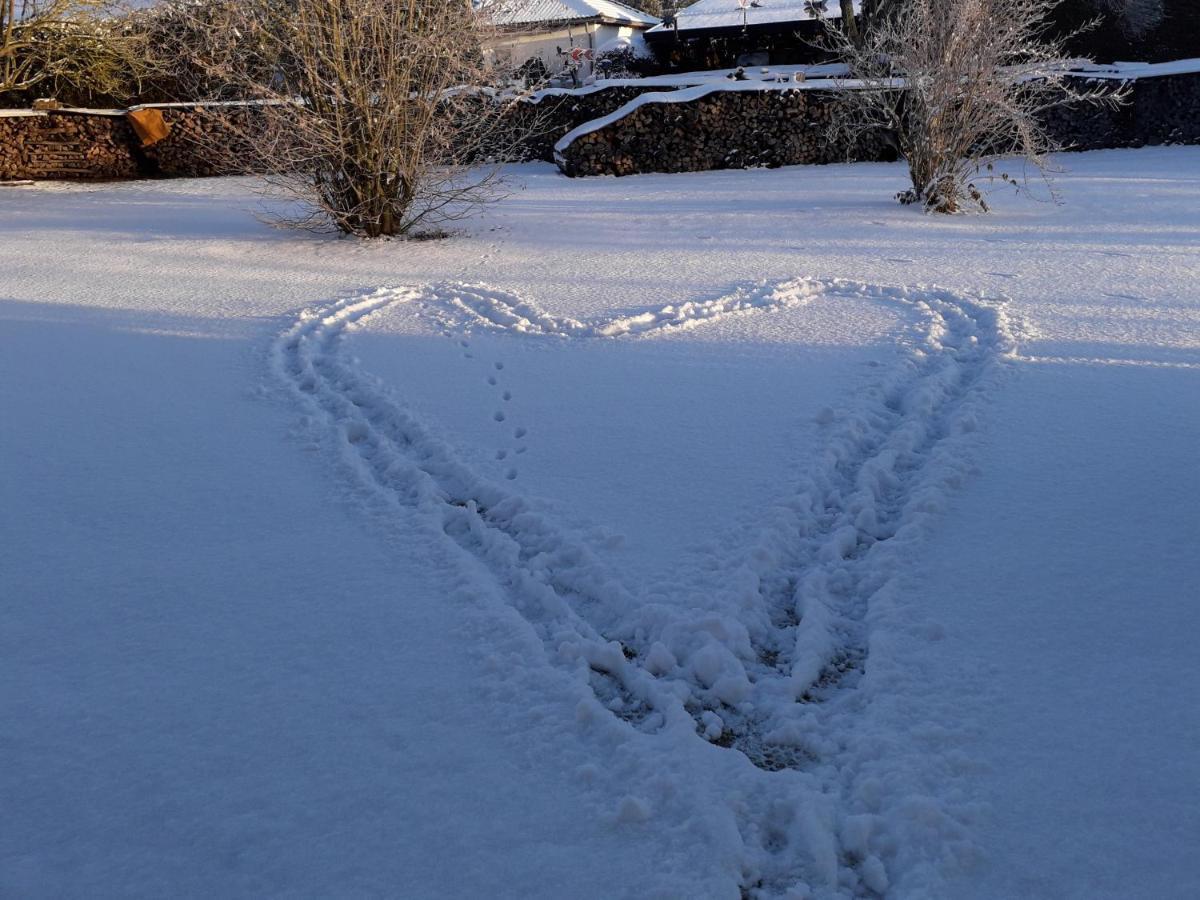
<point x="769" y="664"/>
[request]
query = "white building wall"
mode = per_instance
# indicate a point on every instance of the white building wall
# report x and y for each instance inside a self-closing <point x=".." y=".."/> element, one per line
<point x="515" y="49"/>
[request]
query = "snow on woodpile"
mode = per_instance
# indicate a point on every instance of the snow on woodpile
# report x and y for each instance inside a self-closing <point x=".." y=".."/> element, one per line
<point x="749" y="128"/>
<point x="1163" y="109"/>
<point x="696" y="92"/>
<point x="691" y="79"/>
<point x="1133" y="70"/>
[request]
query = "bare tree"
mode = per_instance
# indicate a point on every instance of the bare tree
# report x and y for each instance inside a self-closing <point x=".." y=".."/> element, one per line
<point x="850" y="23"/>
<point x="959" y="84"/>
<point x="76" y="46"/>
<point x="376" y="113"/>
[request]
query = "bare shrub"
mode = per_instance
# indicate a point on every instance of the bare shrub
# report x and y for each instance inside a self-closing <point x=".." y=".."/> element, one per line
<point x="208" y="50"/>
<point x="67" y="48"/>
<point x="959" y="84"/>
<point x="375" y="113"/>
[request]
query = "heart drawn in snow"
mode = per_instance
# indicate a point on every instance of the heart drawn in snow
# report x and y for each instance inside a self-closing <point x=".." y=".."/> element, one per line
<point x="765" y="634"/>
<point x="668" y="437"/>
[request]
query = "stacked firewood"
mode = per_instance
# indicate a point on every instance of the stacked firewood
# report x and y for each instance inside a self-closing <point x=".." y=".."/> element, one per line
<point x="1162" y="110"/>
<point x="1166" y="111"/>
<point x="720" y="130"/>
<point x="66" y="145"/>
<point x="205" y="141"/>
<point x="202" y="141"/>
<point x="542" y="120"/>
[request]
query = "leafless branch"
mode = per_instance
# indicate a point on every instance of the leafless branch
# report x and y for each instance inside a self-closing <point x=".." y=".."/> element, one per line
<point x="74" y="46"/>
<point x="959" y="84"/>
<point x="378" y="114"/>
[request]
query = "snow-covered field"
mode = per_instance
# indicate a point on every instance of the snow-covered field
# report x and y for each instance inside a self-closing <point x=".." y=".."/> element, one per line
<point x="710" y="535"/>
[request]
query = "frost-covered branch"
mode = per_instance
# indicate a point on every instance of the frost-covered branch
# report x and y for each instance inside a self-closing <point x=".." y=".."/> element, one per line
<point x="957" y="84"/>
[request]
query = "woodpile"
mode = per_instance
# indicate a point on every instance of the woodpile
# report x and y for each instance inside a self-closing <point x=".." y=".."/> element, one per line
<point x="202" y="141"/>
<point x="205" y="141"/>
<point x="742" y="129"/>
<point x="542" y="123"/>
<point x="720" y="130"/>
<point x="66" y="145"/>
<point x="1166" y="110"/>
<point x="1161" y="110"/>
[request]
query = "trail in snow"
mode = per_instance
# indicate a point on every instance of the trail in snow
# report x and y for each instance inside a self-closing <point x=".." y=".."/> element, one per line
<point x="502" y="309"/>
<point x="554" y="581"/>
<point x="771" y="658"/>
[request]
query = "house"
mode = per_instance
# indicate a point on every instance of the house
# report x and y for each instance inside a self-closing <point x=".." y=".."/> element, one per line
<point x="560" y="37"/>
<point x="713" y="34"/>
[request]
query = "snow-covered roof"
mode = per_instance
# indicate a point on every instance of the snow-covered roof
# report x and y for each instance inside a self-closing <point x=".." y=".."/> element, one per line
<point x="710" y="14"/>
<point x="536" y="12"/>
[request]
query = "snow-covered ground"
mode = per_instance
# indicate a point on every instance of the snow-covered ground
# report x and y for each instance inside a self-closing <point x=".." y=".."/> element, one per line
<point x="734" y="533"/>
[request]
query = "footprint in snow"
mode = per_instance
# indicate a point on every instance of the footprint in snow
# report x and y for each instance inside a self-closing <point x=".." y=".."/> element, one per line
<point x="511" y="474"/>
<point x="501" y="454"/>
<point x="492" y="380"/>
<point x="519" y="433"/>
<point x="508" y="395"/>
<point x="498" y="415"/>
<point x="499" y="366"/>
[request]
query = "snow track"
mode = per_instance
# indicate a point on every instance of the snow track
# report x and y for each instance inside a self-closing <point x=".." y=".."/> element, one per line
<point x="505" y="310"/>
<point x="775" y="660"/>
